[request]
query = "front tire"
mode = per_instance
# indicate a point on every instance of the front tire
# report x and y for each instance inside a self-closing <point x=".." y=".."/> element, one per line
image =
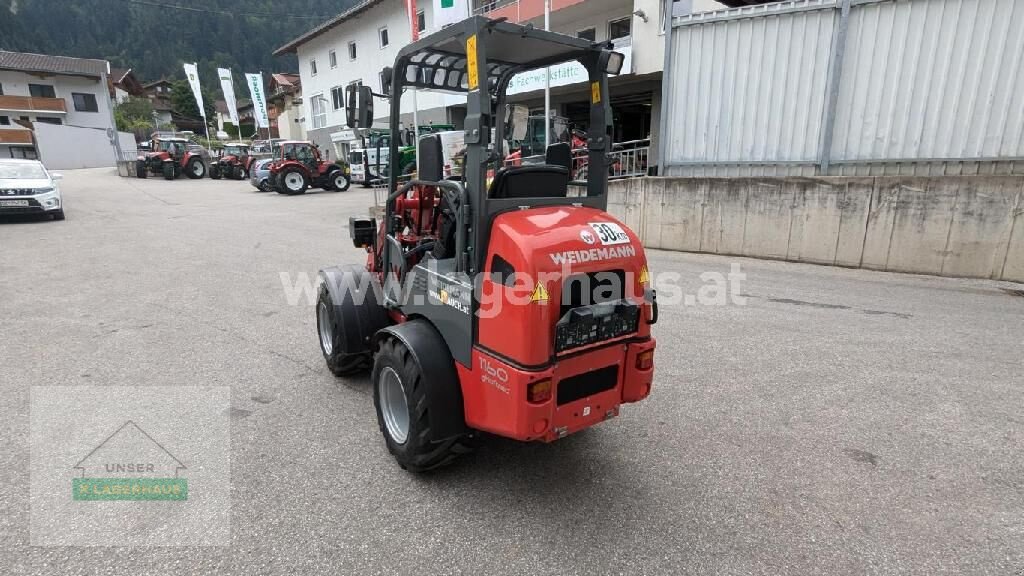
<point x="169" y="171"/>
<point x="292" y="181"/>
<point x="239" y="173"/>
<point x="339" y="181"/>
<point x="140" y="169"/>
<point x="215" y="171"/>
<point x="195" y="168"/>
<point x="399" y="396"/>
<point x="264" y="186"/>
<point x="59" y="214"/>
<point x="331" y="333"/>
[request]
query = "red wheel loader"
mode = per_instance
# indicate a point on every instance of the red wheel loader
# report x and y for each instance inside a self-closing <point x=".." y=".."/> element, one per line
<point x="498" y="301"/>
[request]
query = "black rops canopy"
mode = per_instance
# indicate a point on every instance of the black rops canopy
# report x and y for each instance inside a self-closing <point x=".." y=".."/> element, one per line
<point x="438" y="61"/>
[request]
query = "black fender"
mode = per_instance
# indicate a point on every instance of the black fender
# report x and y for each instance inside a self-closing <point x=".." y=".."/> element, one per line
<point x="354" y="292"/>
<point x="446" y="409"/>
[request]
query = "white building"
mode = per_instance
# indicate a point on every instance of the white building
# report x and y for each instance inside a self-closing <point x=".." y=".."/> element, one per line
<point x="41" y="89"/>
<point x="356" y="45"/>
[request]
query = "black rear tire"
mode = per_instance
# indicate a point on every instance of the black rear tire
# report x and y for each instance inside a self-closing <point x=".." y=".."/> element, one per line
<point x="140" y="169"/>
<point x="282" y="182"/>
<point x="416" y="453"/>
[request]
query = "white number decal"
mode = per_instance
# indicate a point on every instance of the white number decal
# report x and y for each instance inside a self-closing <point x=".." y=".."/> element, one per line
<point x="610" y="233"/>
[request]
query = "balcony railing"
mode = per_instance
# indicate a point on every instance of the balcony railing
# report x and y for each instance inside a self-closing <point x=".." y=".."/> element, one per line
<point x="626" y="160"/>
<point x="16" y="137"/>
<point x="32" y="104"/>
<point x="517" y="10"/>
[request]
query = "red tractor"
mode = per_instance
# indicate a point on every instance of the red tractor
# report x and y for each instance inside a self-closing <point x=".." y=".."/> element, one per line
<point x="300" y="166"/>
<point x="508" y="306"/>
<point x="233" y="162"/>
<point x="170" y="156"/>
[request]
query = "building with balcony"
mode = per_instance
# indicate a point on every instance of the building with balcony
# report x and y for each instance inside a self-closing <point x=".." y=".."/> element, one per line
<point x="285" y="100"/>
<point x="41" y="89"/>
<point x="355" y="46"/>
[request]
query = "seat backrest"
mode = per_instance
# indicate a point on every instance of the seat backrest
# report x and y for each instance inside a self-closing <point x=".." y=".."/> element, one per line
<point x="559" y="154"/>
<point x="431" y="166"/>
<point x="531" y="181"/>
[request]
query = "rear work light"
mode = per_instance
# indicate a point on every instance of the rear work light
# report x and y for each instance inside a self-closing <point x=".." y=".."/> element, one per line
<point x="645" y="360"/>
<point x="539" y="391"/>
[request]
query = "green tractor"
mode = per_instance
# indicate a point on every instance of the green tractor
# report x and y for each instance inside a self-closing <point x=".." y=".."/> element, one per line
<point x="372" y="163"/>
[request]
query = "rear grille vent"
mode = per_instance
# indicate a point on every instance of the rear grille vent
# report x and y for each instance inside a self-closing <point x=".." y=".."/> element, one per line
<point x="587" y="384"/>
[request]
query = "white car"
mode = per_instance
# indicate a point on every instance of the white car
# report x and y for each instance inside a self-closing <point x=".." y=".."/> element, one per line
<point x="26" y="187"/>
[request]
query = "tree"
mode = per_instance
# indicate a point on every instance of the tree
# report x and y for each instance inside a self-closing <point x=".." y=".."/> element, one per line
<point x="183" y="102"/>
<point x="134" y="114"/>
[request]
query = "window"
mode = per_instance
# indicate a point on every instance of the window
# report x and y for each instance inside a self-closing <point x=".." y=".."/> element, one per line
<point x="1" y="89"/>
<point x="421" y="20"/>
<point x="588" y="34"/>
<point x="382" y="82"/>
<point x="382" y="34"/>
<point x="5" y="121"/>
<point x="85" y="102"/>
<point x="333" y="57"/>
<point x="318" y="105"/>
<point x="620" y="28"/>
<point x="351" y="50"/>
<point x="46" y="120"/>
<point x="41" y="91"/>
<point x="312" y="67"/>
<point x="23" y="153"/>
<point x="338" y="97"/>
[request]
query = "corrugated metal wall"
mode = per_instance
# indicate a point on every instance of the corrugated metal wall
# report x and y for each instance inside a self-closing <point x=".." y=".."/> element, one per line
<point x="926" y="87"/>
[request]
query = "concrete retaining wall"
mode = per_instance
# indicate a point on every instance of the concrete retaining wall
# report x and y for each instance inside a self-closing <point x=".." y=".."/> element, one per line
<point x="969" y="226"/>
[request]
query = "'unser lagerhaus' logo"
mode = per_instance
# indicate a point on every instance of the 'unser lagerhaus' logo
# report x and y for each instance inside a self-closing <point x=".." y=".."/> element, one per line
<point x="129" y="465"/>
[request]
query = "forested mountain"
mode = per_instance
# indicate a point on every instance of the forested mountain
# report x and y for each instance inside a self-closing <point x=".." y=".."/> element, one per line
<point x="154" y="37"/>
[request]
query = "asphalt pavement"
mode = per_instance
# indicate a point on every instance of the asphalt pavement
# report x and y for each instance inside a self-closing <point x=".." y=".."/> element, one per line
<point x="822" y="421"/>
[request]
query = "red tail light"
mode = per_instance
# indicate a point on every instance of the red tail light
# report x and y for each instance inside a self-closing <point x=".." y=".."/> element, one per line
<point x="538" y="392"/>
<point x="645" y="360"/>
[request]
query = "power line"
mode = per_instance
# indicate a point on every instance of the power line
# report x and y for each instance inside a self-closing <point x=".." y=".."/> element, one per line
<point x="226" y="12"/>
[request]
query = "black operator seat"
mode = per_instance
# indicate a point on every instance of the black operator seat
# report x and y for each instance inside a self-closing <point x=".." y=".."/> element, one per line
<point x="559" y="154"/>
<point x="431" y="166"/>
<point x="531" y="181"/>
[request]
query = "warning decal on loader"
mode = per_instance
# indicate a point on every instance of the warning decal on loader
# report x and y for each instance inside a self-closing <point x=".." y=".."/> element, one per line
<point x="472" y="71"/>
<point x="610" y="233"/>
<point x="540" y="293"/>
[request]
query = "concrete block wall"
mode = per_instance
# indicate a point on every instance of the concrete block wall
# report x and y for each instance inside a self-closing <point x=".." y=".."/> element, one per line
<point x="967" y="226"/>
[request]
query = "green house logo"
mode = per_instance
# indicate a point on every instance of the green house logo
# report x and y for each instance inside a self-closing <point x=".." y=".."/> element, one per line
<point x="129" y="465"/>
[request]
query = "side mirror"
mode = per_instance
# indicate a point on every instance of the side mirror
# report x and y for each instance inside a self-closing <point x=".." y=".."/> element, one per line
<point x="56" y="176"/>
<point x="365" y="116"/>
<point x="350" y="105"/>
<point x="385" y="80"/>
<point x="517" y="122"/>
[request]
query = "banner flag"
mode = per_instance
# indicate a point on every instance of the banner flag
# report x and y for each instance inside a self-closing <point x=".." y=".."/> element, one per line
<point x="192" y="73"/>
<point x="227" y="85"/>
<point x="259" y="100"/>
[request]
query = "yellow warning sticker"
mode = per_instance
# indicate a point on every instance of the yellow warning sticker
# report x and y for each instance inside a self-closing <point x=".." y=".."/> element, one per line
<point x="471" y="67"/>
<point x="645" y="277"/>
<point x="595" y="92"/>
<point x="540" y="293"/>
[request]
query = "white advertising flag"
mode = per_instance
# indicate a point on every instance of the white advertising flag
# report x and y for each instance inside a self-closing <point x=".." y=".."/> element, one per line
<point x="227" y="84"/>
<point x="192" y="73"/>
<point x="449" y="12"/>
<point x="259" y="100"/>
